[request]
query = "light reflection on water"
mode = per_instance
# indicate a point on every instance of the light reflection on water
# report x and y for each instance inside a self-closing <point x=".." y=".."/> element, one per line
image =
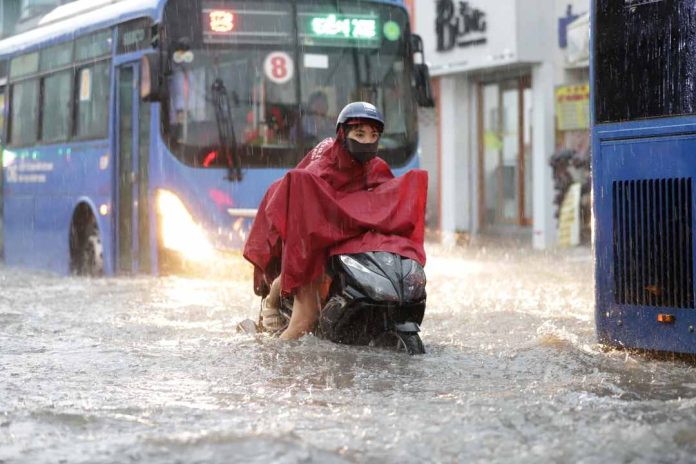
<point x="150" y="369"/>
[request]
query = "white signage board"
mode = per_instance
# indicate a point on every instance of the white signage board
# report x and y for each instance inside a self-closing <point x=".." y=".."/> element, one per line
<point x="468" y="35"/>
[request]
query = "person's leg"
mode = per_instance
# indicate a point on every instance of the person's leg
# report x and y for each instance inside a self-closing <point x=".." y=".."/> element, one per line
<point x="271" y="318"/>
<point x="305" y="311"/>
<point x="273" y="298"/>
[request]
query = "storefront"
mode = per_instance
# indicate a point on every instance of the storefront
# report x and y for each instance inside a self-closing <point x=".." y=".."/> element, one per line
<point x="495" y="66"/>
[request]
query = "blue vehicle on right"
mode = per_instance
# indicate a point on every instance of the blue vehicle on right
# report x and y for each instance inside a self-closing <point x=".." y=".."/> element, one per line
<point x="643" y="84"/>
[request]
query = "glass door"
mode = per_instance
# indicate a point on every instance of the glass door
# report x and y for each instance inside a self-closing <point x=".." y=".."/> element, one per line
<point x="504" y="153"/>
<point x="132" y="136"/>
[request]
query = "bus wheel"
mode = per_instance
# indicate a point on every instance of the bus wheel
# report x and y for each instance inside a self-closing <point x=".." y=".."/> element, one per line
<point x="86" y="250"/>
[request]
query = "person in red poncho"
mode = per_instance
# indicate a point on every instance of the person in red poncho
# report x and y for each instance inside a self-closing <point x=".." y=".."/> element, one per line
<point x="341" y="198"/>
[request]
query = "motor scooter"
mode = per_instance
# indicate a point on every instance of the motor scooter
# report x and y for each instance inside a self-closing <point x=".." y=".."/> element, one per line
<point x="374" y="298"/>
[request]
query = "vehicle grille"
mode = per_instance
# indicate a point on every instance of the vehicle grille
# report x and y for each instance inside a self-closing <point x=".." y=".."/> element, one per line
<point x="653" y="255"/>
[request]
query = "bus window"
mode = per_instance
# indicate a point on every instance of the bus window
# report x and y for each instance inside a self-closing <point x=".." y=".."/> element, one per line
<point x="262" y="111"/>
<point x="134" y="35"/>
<point x="93" y="46"/>
<point x="56" y="56"/>
<point x="92" y="105"/>
<point x="55" y="102"/>
<point x="24" y="118"/>
<point x="644" y="58"/>
<point x="24" y="65"/>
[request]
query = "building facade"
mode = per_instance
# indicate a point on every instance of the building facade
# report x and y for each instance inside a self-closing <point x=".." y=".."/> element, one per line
<point x="18" y="16"/>
<point x="497" y="70"/>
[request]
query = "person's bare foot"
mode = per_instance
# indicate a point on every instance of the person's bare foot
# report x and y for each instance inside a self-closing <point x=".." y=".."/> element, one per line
<point x="294" y="333"/>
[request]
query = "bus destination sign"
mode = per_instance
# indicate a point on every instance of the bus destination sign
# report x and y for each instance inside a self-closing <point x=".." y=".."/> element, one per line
<point x="344" y="27"/>
<point x="227" y="25"/>
<point x="337" y="29"/>
<point x="221" y="21"/>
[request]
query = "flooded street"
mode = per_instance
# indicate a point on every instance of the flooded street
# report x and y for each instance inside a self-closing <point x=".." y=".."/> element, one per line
<point x="153" y="370"/>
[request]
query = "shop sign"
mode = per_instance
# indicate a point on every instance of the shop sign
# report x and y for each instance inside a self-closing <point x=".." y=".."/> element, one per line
<point x="459" y="24"/>
<point x="573" y="107"/>
<point x="468" y="35"/>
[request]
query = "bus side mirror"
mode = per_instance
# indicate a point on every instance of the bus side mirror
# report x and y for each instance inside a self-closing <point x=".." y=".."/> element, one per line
<point x="421" y="79"/>
<point x="150" y="77"/>
<point x="421" y="74"/>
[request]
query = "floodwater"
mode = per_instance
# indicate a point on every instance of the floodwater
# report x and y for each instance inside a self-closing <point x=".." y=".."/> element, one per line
<point x="152" y="370"/>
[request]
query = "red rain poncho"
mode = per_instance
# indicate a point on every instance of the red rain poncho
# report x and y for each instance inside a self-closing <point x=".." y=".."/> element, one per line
<point x="331" y="204"/>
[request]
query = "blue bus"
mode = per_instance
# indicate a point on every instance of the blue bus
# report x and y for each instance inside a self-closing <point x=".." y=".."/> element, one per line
<point x="138" y="135"/>
<point x="643" y="72"/>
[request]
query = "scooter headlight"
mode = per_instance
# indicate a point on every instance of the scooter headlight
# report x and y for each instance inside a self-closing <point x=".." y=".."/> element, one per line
<point x="414" y="282"/>
<point x="375" y="286"/>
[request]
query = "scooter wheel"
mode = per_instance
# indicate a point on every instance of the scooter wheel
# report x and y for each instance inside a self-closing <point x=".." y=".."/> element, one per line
<point x="410" y="342"/>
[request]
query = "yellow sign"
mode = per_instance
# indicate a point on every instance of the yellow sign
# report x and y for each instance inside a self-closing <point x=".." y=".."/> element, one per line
<point x="85" y="85"/>
<point x="573" y="107"/>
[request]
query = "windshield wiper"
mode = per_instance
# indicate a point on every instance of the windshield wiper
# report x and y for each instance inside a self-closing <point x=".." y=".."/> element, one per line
<point x="228" y="141"/>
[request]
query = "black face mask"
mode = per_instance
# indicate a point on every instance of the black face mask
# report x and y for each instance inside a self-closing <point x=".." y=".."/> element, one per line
<point x="362" y="152"/>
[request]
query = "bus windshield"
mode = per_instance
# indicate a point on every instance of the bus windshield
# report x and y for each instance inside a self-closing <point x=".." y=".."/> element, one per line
<point x="271" y="78"/>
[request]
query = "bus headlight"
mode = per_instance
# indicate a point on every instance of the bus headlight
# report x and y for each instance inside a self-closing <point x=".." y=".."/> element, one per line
<point x="8" y="157"/>
<point x="179" y="231"/>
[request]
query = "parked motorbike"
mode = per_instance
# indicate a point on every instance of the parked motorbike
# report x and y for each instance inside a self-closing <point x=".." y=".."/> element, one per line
<point x="374" y="298"/>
